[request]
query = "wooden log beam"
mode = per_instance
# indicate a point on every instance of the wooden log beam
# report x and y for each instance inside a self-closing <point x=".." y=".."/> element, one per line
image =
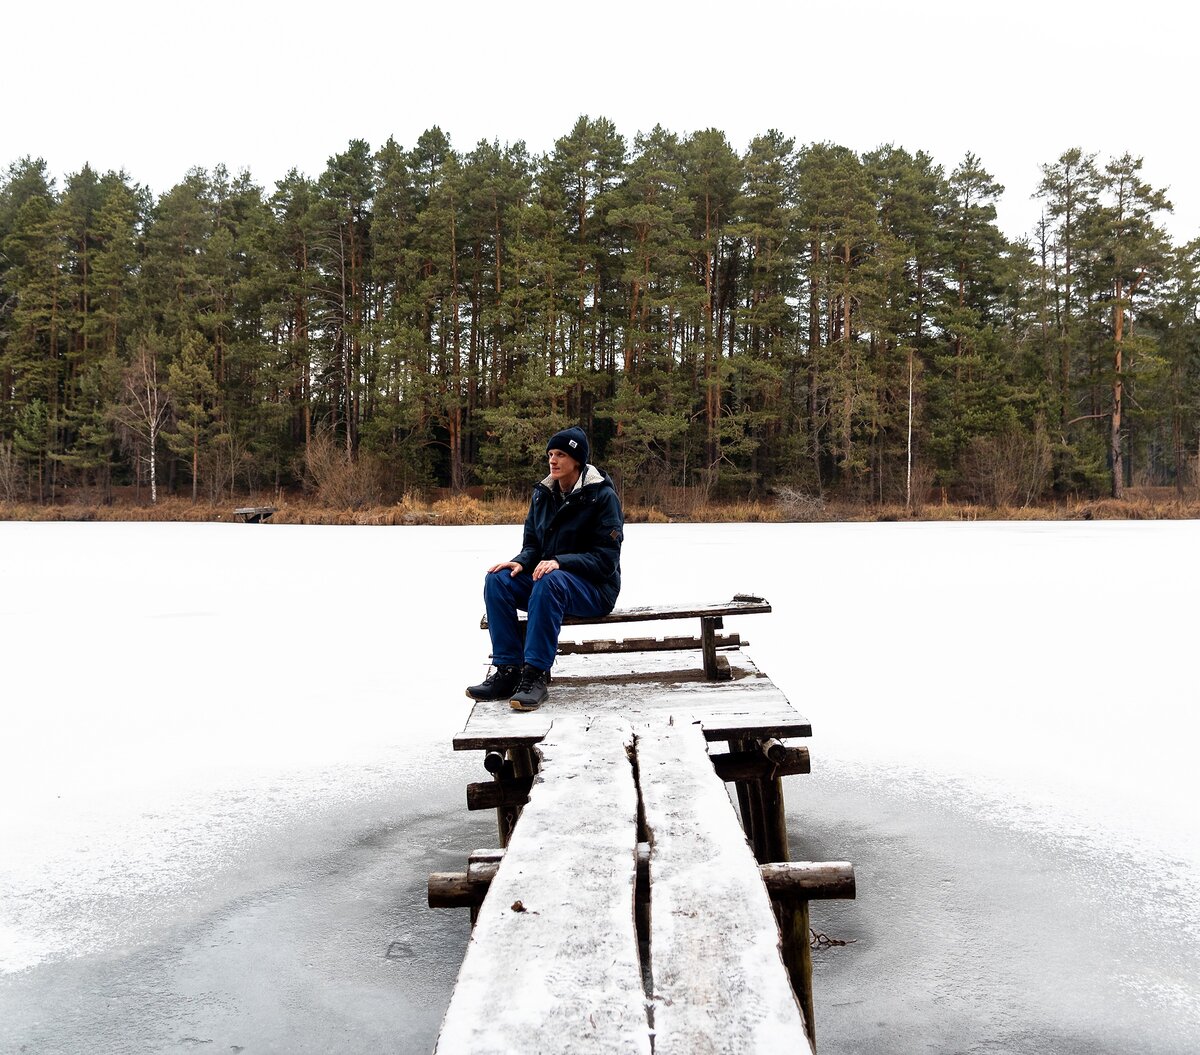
<point x="773" y="749"/>
<point x="733" y="766"/>
<point x="493" y="762"/>
<point x="494" y="794"/>
<point x="452" y="890"/>
<point x="646" y="644"/>
<point x="730" y="766"/>
<point x="786" y="881"/>
<point x="809" y="880"/>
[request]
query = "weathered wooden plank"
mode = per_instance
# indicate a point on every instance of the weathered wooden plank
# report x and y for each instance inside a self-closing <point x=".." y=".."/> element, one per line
<point x="749" y="705"/>
<point x="646" y="644"/>
<point x="552" y="965"/>
<point x="719" y="982"/>
<point x="742" y="604"/>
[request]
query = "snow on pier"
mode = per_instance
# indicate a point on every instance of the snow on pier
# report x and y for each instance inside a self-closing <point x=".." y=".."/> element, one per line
<point x="629" y="910"/>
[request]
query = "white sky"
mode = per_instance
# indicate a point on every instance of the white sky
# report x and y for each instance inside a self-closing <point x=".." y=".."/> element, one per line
<point x="157" y="87"/>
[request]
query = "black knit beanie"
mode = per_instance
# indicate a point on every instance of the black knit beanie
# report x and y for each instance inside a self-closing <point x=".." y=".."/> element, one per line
<point x="572" y="441"/>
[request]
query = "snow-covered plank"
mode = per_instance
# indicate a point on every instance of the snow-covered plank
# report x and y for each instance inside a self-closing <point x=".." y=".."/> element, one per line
<point x="552" y="965"/>
<point x="684" y="664"/>
<point x="645" y="644"/>
<point x="644" y="687"/>
<point x="719" y="983"/>
<point x="743" y="604"/>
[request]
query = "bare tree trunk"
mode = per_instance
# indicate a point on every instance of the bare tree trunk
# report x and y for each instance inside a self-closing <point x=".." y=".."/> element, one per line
<point x="1118" y="460"/>
<point x="153" y="467"/>
<point x="908" y="476"/>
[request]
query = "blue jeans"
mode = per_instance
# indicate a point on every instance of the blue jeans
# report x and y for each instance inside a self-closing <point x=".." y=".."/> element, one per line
<point x="555" y="595"/>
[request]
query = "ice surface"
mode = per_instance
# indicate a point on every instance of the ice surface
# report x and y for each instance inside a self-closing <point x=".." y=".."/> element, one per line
<point x="225" y="773"/>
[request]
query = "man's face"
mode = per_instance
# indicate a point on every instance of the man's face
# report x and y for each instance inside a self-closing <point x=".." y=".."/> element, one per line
<point x="561" y="464"/>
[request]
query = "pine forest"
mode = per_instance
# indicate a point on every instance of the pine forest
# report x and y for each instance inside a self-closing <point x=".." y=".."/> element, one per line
<point x="800" y="317"/>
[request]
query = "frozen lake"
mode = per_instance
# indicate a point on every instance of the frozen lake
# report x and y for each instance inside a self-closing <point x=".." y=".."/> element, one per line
<point x="225" y="775"/>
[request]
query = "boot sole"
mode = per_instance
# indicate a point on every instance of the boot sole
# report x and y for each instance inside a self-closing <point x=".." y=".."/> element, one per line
<point x="521" y="705"/>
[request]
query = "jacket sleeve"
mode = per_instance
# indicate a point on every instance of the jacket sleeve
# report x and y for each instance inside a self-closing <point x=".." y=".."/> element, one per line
<point x="531" y="543"/>
<point x="599" y="561"/>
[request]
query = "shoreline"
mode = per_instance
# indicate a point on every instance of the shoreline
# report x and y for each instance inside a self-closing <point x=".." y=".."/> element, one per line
<point x="465" y="510"/>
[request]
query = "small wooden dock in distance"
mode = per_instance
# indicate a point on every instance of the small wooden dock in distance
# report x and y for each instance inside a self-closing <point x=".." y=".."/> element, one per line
<point x="254" y="514"/>
<point x="627" y="909"/>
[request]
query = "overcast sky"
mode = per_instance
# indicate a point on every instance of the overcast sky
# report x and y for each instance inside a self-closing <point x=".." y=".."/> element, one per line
<point x="158" y="87"/>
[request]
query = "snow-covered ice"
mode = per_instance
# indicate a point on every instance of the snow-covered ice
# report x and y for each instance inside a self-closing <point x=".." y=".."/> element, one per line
<point x="225" y="774"/>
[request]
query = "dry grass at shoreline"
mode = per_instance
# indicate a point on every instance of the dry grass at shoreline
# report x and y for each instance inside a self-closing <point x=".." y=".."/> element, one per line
<point x="466" y="510"/>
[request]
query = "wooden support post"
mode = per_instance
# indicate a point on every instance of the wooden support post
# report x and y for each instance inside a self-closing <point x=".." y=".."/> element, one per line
<point x="709" y="625"/>
<point x="504" y="821"/>
<point x="794" y="927"/>
<point x="775" y="840"/>
<point x="524" y="761"/>
<point x="762" y="841"/>
<point x="520" y="765"/>
<point x="741" y="788"/>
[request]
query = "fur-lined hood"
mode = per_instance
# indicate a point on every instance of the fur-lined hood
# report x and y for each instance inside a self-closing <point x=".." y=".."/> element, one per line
<point x="588" y="478"/>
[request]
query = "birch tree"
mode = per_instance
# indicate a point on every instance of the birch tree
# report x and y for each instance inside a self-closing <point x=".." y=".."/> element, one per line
<point x="144" y="406"/>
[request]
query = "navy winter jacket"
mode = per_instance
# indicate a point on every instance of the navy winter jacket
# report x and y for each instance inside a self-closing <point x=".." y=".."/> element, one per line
<point x="582" y="531"/>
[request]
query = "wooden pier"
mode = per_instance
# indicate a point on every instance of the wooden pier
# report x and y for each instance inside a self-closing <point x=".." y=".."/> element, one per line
<point x="254" y="514"/>
<point x="629" y="906"/>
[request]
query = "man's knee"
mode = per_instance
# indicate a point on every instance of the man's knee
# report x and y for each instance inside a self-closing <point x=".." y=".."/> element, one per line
<point x="494" y="584"/>
<point x="554" y="583"/>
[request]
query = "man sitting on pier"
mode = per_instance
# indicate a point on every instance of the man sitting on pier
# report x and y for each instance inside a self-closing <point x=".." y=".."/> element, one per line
<point x="572" y="543"/>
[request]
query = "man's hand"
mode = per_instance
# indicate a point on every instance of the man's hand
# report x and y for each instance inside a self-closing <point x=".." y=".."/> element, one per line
<point x="516" y="568"/>
<point x="544" y="568"/>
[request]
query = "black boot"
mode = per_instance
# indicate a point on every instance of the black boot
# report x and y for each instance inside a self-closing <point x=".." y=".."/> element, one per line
<point x="499" y="685"/>
<point x="531" y="693"/>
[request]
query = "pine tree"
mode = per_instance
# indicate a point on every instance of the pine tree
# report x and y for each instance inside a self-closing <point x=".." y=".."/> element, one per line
<point x="969" y="386"/>
<point x="650" y="214"/>
<point x="1070" y="188"/>
<point x="837" y="222"/>
<point x="712" y="175"/>
<point x="31" y="358"/>
<point x="193" y="394"/>
<point x="1136" y="251"/>
<point x="907" y="190"/>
